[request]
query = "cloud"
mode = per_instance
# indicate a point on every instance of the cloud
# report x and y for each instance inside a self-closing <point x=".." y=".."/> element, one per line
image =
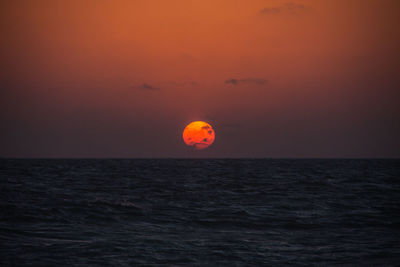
<point x="148" y="87"/>
<point x="271" y="10"/>
<point x="253" y="81"/>
<point x="288" y="8"/>
<point x="232" y="81"/>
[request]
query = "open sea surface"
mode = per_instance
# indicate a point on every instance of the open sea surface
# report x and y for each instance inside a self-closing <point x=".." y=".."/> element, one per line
<point x="199" y="212"/>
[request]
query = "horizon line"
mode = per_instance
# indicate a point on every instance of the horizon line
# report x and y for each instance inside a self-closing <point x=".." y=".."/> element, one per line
<point x="191" y="158"/>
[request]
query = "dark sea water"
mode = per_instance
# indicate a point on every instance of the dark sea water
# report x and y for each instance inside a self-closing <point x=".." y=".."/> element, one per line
<point x="217" y="212"/>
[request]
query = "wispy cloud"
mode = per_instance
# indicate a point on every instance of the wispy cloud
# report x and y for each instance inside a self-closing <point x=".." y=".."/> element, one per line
<point x="146" y="86"/>
<point x="254" y="81"/>
<point x="288" y="8"/>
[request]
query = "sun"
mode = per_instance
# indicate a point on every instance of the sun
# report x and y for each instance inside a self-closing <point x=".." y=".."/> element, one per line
<point x="199" y="135"/>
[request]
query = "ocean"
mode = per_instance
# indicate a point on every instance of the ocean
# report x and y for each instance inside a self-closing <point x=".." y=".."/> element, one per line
<point x="199" y="212"/>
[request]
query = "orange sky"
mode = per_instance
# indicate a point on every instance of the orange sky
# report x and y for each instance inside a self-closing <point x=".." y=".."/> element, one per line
<point x="305" y="78"/>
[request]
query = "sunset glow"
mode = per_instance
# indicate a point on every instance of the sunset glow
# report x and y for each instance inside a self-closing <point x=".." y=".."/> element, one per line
<point x="278" y="78"/>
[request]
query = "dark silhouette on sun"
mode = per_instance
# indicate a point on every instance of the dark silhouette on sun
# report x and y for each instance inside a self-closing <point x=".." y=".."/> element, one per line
<point x="199" y="135"/>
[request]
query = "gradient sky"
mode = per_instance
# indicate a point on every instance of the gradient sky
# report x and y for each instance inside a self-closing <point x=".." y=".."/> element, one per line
<point x="274" y="78"/>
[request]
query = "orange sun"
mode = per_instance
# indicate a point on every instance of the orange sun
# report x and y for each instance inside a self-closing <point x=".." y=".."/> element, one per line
<point x="198" y="134"/>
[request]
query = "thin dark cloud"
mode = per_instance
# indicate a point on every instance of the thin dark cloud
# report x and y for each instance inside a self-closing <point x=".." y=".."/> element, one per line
<point x="271" y="10"/>
<point x="232" y="81"/>
<point x="148" y="87"/>
<point x="288" y="8"/>
<point x="253" y="81"/>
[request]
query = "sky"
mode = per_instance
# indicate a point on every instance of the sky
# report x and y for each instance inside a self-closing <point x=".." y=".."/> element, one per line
<point x="122" y="79"/>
